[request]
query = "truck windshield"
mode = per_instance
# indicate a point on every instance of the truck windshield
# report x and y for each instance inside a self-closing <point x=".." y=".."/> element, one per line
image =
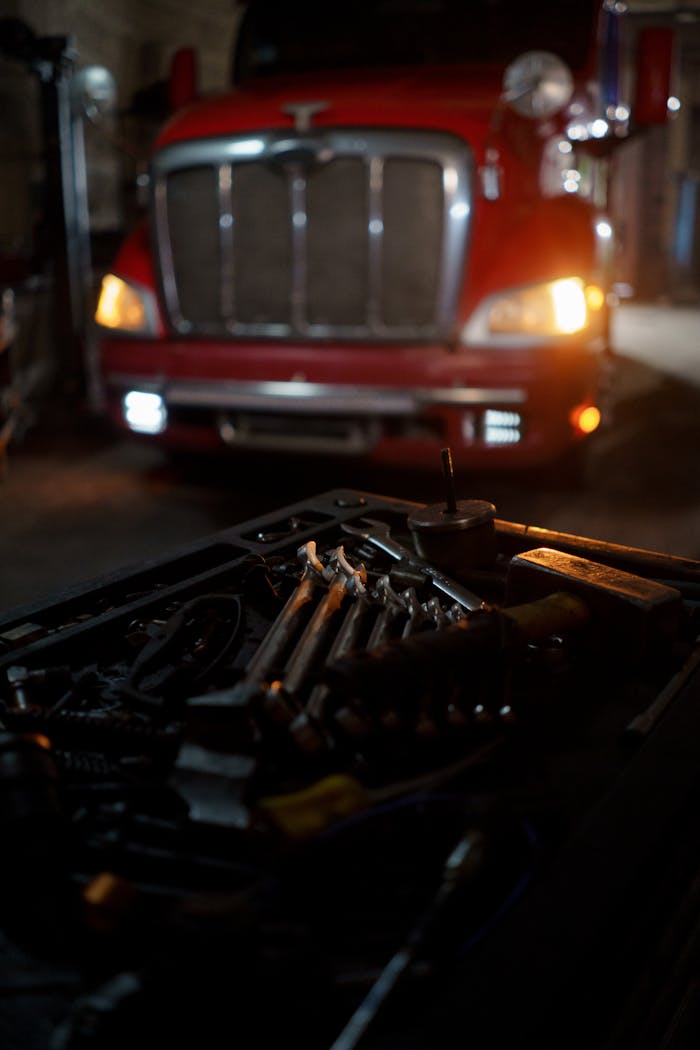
<point x="277" y="36"/>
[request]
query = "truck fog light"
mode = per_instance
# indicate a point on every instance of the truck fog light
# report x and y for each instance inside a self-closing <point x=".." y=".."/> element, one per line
<point x="501" y="428"/>
<point x="145" y="413"/>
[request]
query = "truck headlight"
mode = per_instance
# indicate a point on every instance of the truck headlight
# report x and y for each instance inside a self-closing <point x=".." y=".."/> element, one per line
<point x="535" y="312"/>
<point x="125" y="307"/>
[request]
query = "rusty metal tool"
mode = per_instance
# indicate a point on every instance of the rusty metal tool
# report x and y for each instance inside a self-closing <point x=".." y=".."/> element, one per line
<point x="416" y="613"/>
<point x="345" y="580"/>
<point x="353" y="721"/>
<point x="631" y="608"/>
<point x="282" y="630"/>
<point x="18" y="678"/>
<point x="423" y="722"/>
<point x="643" y="723"/>
<point x="463" y="864"/>
<point x="514" y="538"/>
<point x="307" y="727"/>
<point x="277" y="639"/>
<point x="393" y="607"/>
<point x="437" y="614"/>
<point x="570" y="594"/>
<point x="379" y="535"/>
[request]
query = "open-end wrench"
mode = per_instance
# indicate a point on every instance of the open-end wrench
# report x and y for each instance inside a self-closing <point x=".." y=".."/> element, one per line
<point x="278" y="638"/>
<point x="378" y="534"/>
<point x="305" y="728"/>
<point x="344" y="580"/>
<point x="394" y="606"/>
<point x="416" y="613"/>
<point x="282" y="630"/>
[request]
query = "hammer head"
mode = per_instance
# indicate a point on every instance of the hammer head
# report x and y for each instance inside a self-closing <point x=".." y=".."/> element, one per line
<point x="626" y="608"/>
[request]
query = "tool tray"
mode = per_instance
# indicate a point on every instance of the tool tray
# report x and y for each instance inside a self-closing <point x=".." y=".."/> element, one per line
<point x="194" y="852"/>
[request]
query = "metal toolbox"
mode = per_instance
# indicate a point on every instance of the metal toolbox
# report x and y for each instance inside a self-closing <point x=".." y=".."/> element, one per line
<point x="297" y="778"/>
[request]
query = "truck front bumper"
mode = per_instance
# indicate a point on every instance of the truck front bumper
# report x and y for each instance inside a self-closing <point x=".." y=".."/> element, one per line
<point x="505" y="408"/>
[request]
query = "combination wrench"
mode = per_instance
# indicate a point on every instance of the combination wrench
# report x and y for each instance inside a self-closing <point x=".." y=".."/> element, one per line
<point x="379" y="535"/>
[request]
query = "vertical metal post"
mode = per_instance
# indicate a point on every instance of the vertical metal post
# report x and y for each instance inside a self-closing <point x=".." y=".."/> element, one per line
<point x="66" y="218"/>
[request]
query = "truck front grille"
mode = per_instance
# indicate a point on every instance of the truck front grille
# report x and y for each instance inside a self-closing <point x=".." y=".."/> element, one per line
<point x="350" y="235"/>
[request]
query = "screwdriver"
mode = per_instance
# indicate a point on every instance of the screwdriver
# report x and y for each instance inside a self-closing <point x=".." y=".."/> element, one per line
<point x="462" y="863"/>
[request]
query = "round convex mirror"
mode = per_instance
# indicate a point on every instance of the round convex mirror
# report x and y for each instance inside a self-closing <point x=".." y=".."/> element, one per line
<point x="93" y="92"/>
<point x="537" y="84"/>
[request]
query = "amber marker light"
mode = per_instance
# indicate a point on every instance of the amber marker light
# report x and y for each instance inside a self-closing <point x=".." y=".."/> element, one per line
<point x="40" y="740"/>
<point x="585" y="418"/>
<point x="595" y="298"/>
<point x="121" y="306"/>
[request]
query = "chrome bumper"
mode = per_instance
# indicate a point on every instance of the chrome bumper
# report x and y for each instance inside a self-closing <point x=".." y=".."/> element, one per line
<point x="306" y="398"/>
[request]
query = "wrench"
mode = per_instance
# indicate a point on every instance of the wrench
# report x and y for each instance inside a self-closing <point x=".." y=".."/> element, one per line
<point x="394" y="607"/>
<point x="283" y="628"/>
<point x="277" y="639"/>
<point x="378" y="534"/>
<point x="344" y="580"/>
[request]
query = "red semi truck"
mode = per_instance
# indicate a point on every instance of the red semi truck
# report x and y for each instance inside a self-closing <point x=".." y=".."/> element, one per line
<point x="390" y="236"/>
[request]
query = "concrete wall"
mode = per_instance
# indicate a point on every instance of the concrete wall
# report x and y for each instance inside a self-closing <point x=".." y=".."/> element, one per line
<point x="135" y="39"/>
<point x="20" y="161"/>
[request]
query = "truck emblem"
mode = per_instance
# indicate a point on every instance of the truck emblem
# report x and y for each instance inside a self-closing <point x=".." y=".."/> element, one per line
<point x="303" y="113"/>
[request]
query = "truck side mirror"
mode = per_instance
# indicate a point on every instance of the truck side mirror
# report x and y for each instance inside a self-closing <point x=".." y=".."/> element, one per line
<point x="537" y="84"/>
<point x="183" y="86"/>
<point x="654" y="72"/>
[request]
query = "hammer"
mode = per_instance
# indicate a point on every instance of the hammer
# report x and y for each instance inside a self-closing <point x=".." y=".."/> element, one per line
<point x="570" y="594"/>
<point x="631" y="608"/>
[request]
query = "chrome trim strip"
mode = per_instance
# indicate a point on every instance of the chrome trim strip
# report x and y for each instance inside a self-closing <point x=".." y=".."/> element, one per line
<point x="374" y="145"/>
<point x="455" y="230"/>
<point x="375" y="241"/>
<point x="298" y="215"/>
<point x="165" y="254"/>
<point x="292" y="397"/>
<point x="226" y="246"/>
<point x="320" y="398"/>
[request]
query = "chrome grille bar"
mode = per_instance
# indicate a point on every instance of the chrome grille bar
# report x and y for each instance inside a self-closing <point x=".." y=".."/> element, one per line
<point x="376" y="229"/>
<point x="226" y="243"/>
<point x="297" y="190"/>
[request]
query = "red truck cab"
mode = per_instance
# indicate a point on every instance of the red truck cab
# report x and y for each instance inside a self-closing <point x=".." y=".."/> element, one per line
<point x="390" y="236"/>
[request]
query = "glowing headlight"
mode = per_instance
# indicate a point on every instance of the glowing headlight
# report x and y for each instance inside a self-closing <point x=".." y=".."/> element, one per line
<point x="546" y="309"/>
<point x="123" y="306"/>
<point x="144" y="412"/>
<point x="538" y="311"/>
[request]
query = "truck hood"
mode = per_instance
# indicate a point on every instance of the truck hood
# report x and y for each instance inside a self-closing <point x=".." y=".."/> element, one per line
<point x="448" y="99"/>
